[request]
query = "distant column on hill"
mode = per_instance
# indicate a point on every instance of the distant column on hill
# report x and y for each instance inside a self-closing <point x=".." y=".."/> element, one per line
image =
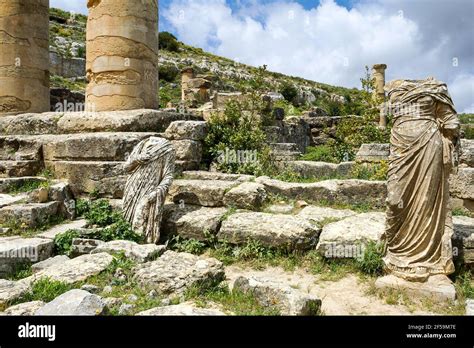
<point x="122" y="55"/>
<point x="24" y="56"/>
<point x="378" y="73"/>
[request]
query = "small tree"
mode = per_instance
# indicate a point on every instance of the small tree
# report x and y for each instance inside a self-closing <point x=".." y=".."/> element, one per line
<point x="168" y="41"/>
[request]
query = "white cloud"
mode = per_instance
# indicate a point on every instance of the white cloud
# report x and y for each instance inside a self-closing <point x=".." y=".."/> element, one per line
<point x="332" y="44"/>
<point x="77" y="6"/>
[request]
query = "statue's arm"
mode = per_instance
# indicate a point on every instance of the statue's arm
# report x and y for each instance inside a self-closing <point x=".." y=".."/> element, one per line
<point x="449" y="118"/>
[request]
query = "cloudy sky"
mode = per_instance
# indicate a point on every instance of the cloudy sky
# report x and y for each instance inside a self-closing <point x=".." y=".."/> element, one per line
<point x="332" y="40"/>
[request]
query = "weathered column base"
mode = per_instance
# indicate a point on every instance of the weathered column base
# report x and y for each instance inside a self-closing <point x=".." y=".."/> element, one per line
<point x="438" y="287"/>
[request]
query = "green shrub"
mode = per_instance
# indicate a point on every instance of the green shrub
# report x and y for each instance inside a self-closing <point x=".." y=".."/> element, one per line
<point x="119" y="230"/>
<point x="321" y="153"/>
<point x="240" y="130"/>
<point x="191" y="246"/>
<point x="82" y="207"/>
<point x="466" y="118"/>
<point x="371" y="261"/>
<point x="20" y="271"/>
<point x="289" y="91"/>
<point x="46" y="290"/>
<point x="100" y="213"/>
<point x="168" y="72"/>
<point x="168" y="41"/>
<point x="374" y="171"/>
<point x="63" y="242"/>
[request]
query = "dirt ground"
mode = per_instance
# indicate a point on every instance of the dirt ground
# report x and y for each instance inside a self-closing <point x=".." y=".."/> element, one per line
<point x="347" y="296"/>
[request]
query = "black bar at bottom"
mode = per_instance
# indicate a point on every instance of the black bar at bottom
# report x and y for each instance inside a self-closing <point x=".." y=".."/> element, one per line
<point x="291" y="331"/>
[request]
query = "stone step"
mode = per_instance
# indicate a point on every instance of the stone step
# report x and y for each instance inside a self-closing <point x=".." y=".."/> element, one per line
<point x="191" y="221"/>
<point x="348" y="238"/>
<point x="20" y="148"/>
<point x="16" y="250"/>
<point x="8" y="184"/>
<point x="285" y="151"/>
<point x="200" y="192"/>
<point x="93" y="146"/>
<point x="103" y="177"/>
<point x="54" y="231"/>
<point x="310" y="169"/>
<point x="373" y="153"/>
<point x="204" y="175"/>
<point x="143" y="120"/>
<point x="271" y="230"/>
<point x="372" y="193"/>
<point x="30" y="215"/>
<point x="9" y="168"/>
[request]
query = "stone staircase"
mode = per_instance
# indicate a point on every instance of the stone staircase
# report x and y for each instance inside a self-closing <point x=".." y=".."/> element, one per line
<point x="88" y="149"/>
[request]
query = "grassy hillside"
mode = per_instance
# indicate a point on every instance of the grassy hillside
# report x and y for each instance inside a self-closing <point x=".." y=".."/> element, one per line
<point x="68" y="31"/>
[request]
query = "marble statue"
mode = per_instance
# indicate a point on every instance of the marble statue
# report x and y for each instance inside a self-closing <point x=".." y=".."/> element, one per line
<point x="424" y="142"/>
<point x="151" y="168"/>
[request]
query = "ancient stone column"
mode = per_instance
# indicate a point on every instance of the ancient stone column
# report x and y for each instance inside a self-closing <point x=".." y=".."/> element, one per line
<point x="122" y="55"/>
<point x="24" y="56"/>
<point x="187" y="74"/>
<point x="378" y="73"/>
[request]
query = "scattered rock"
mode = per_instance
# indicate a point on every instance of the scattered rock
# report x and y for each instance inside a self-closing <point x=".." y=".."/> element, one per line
<point x="313" y="169"/>
<point x="200" y="192"/>
<point x="74" y="302"/>
<point x="183" y="309"/>
<point x="40" y="195"/>
<point x="463" y="238"/>
<point x="301" y="204"/>
<point x="175" y="272"/>
<point x="270" y="293"/>
<point x="461" y="185"/>
<point x="438" y="287"/>
<point x="372" y="153"/>
<point x="11" y="290"/>
<point x="25" y="309"/>
<point x="62" y="193"/>
<point x="248" y="195"/>
<point x="469" y="307"/>
<point x="107" y="289"/>
<point x="191" y="221"/>
<point x="347" y="238"/>
<point x="112" y="302"/>
<point x="194" y="130"/>
<point x="48" y="263"/>
<point x="83" y="246"/>
<point x="320" y="214"/>
<point x="152" y="294"/>
<point x="132" y="250"/>
<point x="77" y="269"/>
<point x="187" y="150"/>
<point x="31" y="215"/>
<point x="54" y="231"/>
<point x="126" y="308"/>
<point x="93" y="289"/>
<point x="350" y="191"/>
<point x="16" y="250"/>
<point x="132" y="298"/>
<point x="272" y="230"/>
<point x="281" y="208"/>
<point x="204" y="175"/>
<point x="467" y="153"/>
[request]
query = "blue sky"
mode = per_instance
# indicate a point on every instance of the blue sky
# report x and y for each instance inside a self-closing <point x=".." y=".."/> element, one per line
<point x="331" y="41"/>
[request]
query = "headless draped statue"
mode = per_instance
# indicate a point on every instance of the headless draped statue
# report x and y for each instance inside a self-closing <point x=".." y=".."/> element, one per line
<point x="423" y="144"/>
<point x="151" y="169"/>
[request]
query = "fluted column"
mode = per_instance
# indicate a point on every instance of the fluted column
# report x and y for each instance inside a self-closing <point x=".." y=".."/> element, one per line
<point x="24" y="56"/>
<point x="122" y="55"/>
